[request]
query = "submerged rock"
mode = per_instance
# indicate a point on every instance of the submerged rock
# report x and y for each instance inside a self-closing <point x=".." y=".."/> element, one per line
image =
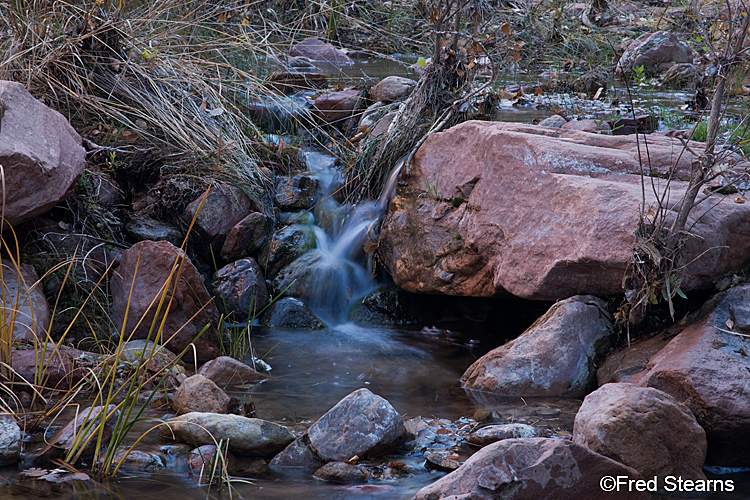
<point x="708" y="370"/>
<point x="245" y="436"/>
<point x="555" y="356"/>
<point x="144" y="269"/>
<point x="341" y="472"/>
<point x="335" y="107"/>
<point x="287" y="245"/>
<point x="643" y="428"/>
<point x="543" y="214"/>
<point x="531" y="469"/>
<point x="139" y="460"/>
<point x="387" y="305"/>
<point x="292" y="313"/>
<point x="40" y="152"/>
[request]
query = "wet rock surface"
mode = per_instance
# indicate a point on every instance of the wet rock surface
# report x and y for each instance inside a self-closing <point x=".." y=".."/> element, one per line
<point x="240" y="289"/>
<point x="246" y="436"/>
<point x="335" y="107"/>
<point x="200" y="394"/>
<point x="296" y="192"/>
<point x="341" y="472"/>
<point x="290" y="312"/>
<point x="40" y="152"/>
<point x="248" y="237"/>
<point x="287" y="245"/>
<point x="499" y="217"/>
<point x="145" y="267"/>
<point x="320" y="51"/>
<point x="555" y="356"/>
<point x="71" y="433"/>
<point x="643" y="428"/>
<point x="531" y="468"/>
<point x="498" y="432"/>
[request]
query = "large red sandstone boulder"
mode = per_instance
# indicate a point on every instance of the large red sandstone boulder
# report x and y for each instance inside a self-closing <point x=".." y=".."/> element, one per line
<point x="40" y="153"/>
<point x="708" y="370"/>
<point x="643" y="428"/>
<point x="499" y="208"/>
<point x="144" y="269"/>
<point x="532" y="469"/>
<point x="555" y="356"/>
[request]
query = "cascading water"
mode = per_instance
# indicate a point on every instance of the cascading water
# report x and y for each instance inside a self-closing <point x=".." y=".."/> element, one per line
<point x="338" y="270"/>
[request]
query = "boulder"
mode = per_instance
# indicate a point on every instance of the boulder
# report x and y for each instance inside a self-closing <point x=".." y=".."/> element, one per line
<point x="296" y="192"/>
<point x="144" y="269"/>
<point x="89" y="422"/>
<point x="240" y="289"/>
<point x="10" y="440"/>
<point x="290" y="312"/>
<point x="680" y="75"/>
<point x="245" y="436"/>
<point x="40" y="152"/>
<point x="142" y="228"/>
<point x="392" y="88"/>
<point x="362" y="424"/>
<point x="320" y="51"/>
<point x="643" y="428"/>
<point x="60" y="366"/>
<point x="200" y="394"/>
<point x="628" y="362"/>
<point x="531" y="469"/>
<point x="139" y="460"/>
<point x="23" y="305"/>
<point x="494" y="208"/>
<point x="341" y="472"/>
<point x="225" y="370"/>
<point x="656" y="52"/>
<point x="335" y="107"/>
<point x="248" y="237"/>
<point x="221" y="207"/>
<point x="493" y="433"/>
<point x="555" y="356"/>
<point x="286" y="246"/>
<point x="554" y="121"/>
<point x="707" y="367"/>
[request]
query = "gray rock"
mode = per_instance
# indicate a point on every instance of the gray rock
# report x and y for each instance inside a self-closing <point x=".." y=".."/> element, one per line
<point x="225" y="370"/>
<point x="65" y="438"/>
<point x="10" y="440"/>
<point x="341" y="472"/>
<point x="23" y="303"/>
<point x="200" y="394"/>
<point x="139" y="460"/>
<point x="240" y="289"/>
<point x="296" y="192"/>
<point x="493" y="433"/>
<point x="655" y="52"/>
<point x="287" y="245"/>
<point x="392" y="88"/>
<point x="555" y="121"/>
<point x="246" y="436"/>
<point x="292" y="313"/>
<point x="145" y="228"/>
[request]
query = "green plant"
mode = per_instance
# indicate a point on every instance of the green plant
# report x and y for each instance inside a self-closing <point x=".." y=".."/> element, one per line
<point x="639" y="75"/>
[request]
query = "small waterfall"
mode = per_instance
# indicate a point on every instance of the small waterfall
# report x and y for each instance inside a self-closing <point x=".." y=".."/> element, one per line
<point x="339" y="270"/>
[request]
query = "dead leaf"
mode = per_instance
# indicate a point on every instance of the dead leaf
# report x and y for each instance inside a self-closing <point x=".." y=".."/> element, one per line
<point x="505" y="28"/>
<point x="516" y="57"/>
<point x="203" y="106"/>
<point x="435" y="15"/>
<point x="34" y="472"/>
<point x="444" y="431"/>
<point x="739" y="200"/>
<point x="730" y="324"/>
<point x="538" y="91"/>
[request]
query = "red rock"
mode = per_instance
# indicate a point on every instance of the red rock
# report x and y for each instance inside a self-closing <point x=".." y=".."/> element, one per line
<point x="200" y="394"/>
<point x="341" y="472"/>
<point x="224" y="206"/>
<point x="643" y="428"/>
<point x="654" y="51"/>
<point x="225" y="370"/>
<point x="61" y="370"/>
<point x="532" y="469"/>
<point x="289" y="83"/>
<point x="241" y="290"/>
<point x="392" y="88"/>
<point x="628" y="363"/>
<point x="555" y="356"/>
<point x="23" y="302"/>
<point x="586" y="126"/>
<point x="336" y="106"/>
<point x="709" y="370"/>
<point x="40" y="152"/>
<point x="297" y="454"/>
<point x="185" y="297"/>
<point x="248" y="237"/>
<point x="320" y="51"/>
<point x="202" y="458"/>
<point x="542" y="214"/>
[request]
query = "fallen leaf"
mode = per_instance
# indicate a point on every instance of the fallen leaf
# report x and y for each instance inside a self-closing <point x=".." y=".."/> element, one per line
<point x="203" y="106"/>
<point x="739" y="200"/>
<point x="505" y="28"/>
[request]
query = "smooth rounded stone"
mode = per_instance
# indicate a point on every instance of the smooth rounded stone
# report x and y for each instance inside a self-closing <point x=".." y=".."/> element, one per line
<point x="141" y="228"/>
<point x="320" y="51"/>
<point x="555" y="121"/>
<point x="246" y="436"/>
<point x="707" y="370"/>
<point x="341" y="472"/>
<point x="203" y="458"/>
<point x="10" y="440"/>
<point x="40" y="152"/>
<point x="655" y="52"/>
<point x="382" y="125"/>
<point x="553" y="222"/>
<point x="532" y="469"/>
<point x="680" y="75"/>
<point x="66" y="437"/>
<point x="139" y="460"/>
<point x="248" y="237"/>
<point x="493" y="433"/>
<point x="221" y="207"/>
<point x="287" y="245"/>
<point x="362" y="424"/>
<point x="61" y="366"/>
<point x="23" y="303"/>
<point x="225" y="370"/>
<point x="302" y="218"/>
<point x="587" y="126"/>
<point x="200" y="394"/>
<point x="335" y="107"/>
<point x="441" y="462"/>
<point x="643" y="428"/>
<point x="240" y="289"/>
<point x="159" y="357"/>
<point x="290" y="312"/>
<point x="296" y="192"/>
<point x="392" y="88"/>
<point x="190" y="305"/>
<point x="555" y="356"/>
